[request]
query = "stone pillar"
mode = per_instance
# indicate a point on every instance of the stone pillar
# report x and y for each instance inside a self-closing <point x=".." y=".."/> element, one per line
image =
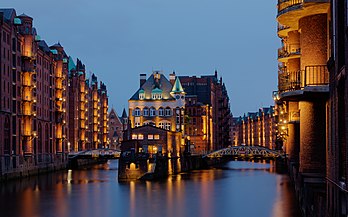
<point x="312" y="136"/>
<point x="293" y="41"/>
<point x="313" y="44"/>
<point x="293" y="140"/>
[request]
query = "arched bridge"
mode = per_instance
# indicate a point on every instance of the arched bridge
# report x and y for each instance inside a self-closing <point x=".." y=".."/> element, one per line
<point x="95" y="154"/>
<point x="246" y="152"/>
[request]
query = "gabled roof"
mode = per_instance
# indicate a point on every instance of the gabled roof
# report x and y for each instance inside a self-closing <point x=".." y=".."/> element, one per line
<point x="43" y="45"/>
<point x="57" y="45"/>
<point x="116" y="117"/>
<point x="25" y="16"/>
<point x="151" y="83"/>
<point x="8" y="13"/>
<point x="71" y="64"/>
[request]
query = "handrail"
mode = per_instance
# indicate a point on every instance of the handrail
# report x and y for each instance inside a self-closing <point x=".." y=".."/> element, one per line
<point x="312" y="76"/>
<point x="337" y="185"/>
<point x="286" y="51"/>
<point x="284" y="4"/>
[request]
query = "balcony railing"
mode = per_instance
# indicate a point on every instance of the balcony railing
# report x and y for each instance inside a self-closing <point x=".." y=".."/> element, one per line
<point x="297" y="80"/>
<point x="284" y="5"/>
<point x="289" y="50"/>
<point x="282" y="27"/>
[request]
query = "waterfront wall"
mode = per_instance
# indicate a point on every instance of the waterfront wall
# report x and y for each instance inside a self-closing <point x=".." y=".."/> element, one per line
<point x="150" y="168"/>
<point x="29" y="167"/>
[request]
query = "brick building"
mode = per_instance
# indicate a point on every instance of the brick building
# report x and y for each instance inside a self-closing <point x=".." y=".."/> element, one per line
<point x="152" y="140"/>
<point x="37" y="99"/>
<point x="337" y="159"/>
<point x="115" y="129"/>
<point x="88" y="110"/>
<point x="255" y="128"/>
<point x="208" y="112"/>
<point x="302" y="96"/>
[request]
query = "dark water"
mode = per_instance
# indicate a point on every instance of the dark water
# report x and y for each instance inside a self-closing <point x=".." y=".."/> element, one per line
<point x="237" y="190"/>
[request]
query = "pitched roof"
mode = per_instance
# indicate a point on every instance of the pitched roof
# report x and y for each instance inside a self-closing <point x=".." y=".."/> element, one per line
<point x="151" y="83"/>
<point x="24" y="15"/>
<point x="177" y="87"/>
<point x="43" y="45"/>
<point x="8" y="12"/>
<point x="124" y="113"/>
<point x="71" y="64"/>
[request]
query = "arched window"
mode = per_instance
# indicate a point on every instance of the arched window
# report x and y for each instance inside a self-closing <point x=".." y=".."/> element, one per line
<point x="146" y="111"/>
<point x="47" y="142"/>
<point x="39" y="138"/>
<point x="7" y="147"/>
<point x="141" y="94"/>
<point x="161" y="111"/>
<point x="168" y="112"/>
<point x="137" y="112"/>
<point x="152" y="111"/>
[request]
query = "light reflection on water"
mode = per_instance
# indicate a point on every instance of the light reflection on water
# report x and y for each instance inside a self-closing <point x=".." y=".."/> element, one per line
<point x="237" y="189"/>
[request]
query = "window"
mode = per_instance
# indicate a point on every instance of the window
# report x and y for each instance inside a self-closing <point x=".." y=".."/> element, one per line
<point x="141" y="96"/>
<point x="161" y="125"/>
<point x="161" y="112"/>
<point x="168" y="112"/>
<point x="156" y="96"/>
<point x="137" y="124"/>
<point x="146" y="112"/>
<point x="137" y="112"/>
<point x="140" y="136"/>
<point x="167" y="126"/>
<point x="150" y="137"/>
<point x="134" y="136"/>
<point x="152" y="111"/>
<point x="156" y="137"/>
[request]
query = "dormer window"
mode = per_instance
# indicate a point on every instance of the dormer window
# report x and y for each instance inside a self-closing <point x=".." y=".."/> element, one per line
<point x="156" y="93"/>
<point x="156" y="96"/>
<point x="141" y="94"/>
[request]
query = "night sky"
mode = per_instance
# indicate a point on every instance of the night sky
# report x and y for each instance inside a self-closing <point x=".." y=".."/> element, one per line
<point x="119" y="39"/>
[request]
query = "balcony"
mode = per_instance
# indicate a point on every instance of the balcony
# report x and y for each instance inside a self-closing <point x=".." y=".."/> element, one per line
<point x="289" y="52"/>
<point x="283" y="30"/>
<point x="290" y="11"/>
<point x="286" y="5"/>
<point x="312" y="79"/>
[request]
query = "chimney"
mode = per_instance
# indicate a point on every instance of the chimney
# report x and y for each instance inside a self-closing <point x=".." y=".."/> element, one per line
<point x="172" y="78"/>
<point x="142" y="79"/>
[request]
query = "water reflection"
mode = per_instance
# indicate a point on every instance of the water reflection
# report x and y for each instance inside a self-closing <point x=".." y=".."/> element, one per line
<point x="236" y="189"/>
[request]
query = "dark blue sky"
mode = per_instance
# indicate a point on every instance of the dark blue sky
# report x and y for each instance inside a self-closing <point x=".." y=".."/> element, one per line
<point x="119" y="39"/>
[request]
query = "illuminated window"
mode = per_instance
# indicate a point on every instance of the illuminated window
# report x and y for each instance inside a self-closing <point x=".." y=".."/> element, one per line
<point x="152" y="111"/>
<point x="168" y="112"/>
<point x="150" y="137"/>
<point x="161" y="112"/>
<point x="134" y="136"/>
<point x="167" y="126"/>
<point x="157" y="137"/>
<point x="137" y="112"/>
<point x="161" y="125"/>
<point x="137" y="124"/>
<point x="146" y="112"/>
<point x="141" y="136"/>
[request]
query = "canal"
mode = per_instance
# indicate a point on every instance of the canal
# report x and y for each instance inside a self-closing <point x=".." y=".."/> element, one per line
<point x="238" y="189"/>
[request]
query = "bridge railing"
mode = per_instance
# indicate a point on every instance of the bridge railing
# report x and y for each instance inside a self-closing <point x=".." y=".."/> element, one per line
<point x="246" y="151"/>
